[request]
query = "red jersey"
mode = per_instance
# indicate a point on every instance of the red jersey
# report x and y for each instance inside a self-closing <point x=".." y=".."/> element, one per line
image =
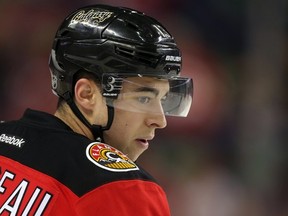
<point x="47" y="169"/>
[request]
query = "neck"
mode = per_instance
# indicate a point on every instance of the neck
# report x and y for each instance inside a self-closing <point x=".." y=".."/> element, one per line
<point x="68" y="117"/>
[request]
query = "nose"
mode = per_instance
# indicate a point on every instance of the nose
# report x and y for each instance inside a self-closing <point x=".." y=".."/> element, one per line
<point x="156" y="120"/>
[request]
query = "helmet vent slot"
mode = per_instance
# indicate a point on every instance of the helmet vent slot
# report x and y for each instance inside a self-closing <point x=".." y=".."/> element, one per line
<point x="132" y="25"/>
<point x="139" y="56"/>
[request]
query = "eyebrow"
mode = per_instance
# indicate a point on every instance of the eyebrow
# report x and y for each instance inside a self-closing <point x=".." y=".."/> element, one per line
<point x="147" y="89"/>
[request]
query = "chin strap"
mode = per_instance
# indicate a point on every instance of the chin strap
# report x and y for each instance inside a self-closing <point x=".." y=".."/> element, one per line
<point x="97" y="130"/>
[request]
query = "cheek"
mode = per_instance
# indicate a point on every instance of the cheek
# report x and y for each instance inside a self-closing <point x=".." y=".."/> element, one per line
<point x="117" y="136"/>
<point x="121" y="118"/>
<point x="124" y="123"/>
<point x="119" y="126"/>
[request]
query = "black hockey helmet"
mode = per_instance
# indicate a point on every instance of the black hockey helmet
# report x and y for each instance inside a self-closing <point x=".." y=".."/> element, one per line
<point x="114" y="43"/>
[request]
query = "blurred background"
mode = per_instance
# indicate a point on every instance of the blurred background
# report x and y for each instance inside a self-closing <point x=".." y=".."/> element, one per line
<point x="229" y="157"/>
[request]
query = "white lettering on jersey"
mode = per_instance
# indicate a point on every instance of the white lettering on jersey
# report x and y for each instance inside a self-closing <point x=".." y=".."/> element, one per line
<point x="12" y="140"/>
<point x="18" y="197"/>
<point x="6" y="175"/>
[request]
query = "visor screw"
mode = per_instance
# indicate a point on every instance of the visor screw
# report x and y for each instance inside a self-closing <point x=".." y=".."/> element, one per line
<point x="61" y="77"/>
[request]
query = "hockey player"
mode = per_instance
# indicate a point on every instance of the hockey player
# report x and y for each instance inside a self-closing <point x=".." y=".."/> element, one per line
<point x="116" y="73"/>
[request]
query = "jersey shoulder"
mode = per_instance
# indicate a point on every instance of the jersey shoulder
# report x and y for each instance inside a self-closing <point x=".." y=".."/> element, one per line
<point x="68" y="157"/>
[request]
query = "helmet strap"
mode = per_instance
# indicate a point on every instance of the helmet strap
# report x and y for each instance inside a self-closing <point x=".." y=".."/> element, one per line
<point x="96" y="130"/>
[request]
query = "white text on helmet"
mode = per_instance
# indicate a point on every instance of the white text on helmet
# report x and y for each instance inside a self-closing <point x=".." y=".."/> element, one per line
<point x="173" y="58"/>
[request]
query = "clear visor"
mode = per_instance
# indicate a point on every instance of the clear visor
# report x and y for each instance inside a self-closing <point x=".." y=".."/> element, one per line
<point x="171" y="97"/>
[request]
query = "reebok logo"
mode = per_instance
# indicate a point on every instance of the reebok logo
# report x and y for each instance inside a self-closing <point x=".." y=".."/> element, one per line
<point x="12" y="140"/>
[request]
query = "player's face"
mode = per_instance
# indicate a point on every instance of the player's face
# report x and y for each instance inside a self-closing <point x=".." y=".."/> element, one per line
<point x="138" y="113"/>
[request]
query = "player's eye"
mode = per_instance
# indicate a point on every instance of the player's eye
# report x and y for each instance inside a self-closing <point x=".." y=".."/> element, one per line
<point x="144" y="99"/>
<point x="164" y="98"/>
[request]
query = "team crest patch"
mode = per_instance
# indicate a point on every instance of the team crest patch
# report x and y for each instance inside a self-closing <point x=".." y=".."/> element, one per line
<point x="109" y="158"/>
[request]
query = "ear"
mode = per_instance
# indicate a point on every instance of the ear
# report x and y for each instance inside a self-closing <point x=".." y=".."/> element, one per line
<point x="89" y="100"/>
<point x="85" y="93"/>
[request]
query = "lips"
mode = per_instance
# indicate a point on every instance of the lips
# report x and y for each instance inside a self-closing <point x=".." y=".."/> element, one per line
<point x="145" y="139"/>
<point x="142" y="140"/>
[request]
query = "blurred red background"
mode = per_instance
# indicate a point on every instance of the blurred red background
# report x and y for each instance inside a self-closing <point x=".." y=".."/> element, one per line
<point x="228" y="157"/>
